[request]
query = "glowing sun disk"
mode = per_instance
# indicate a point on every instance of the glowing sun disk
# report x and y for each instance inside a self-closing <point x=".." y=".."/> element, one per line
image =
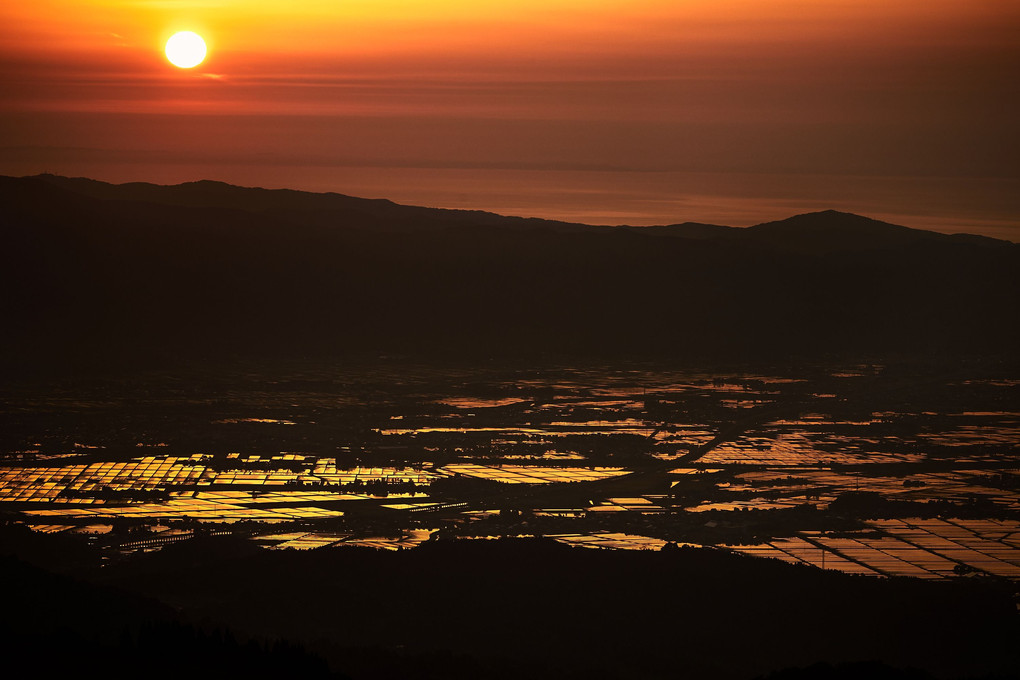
<point x="185" y="49"/>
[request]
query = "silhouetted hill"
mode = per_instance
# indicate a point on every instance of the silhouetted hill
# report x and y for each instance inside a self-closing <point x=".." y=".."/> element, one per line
<point x="91" y="270"/>
<point x="817" y="232"/>
<point x="54" y="627"/>
<point x="301" y="208"/>
<point x="832" y="231"/>
<point x="494" y="610"/>
<point x="535" y="608"/>
<point x="825" y="232"/>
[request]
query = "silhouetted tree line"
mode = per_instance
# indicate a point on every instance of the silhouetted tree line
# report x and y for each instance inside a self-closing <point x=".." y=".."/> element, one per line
<point x="460" y="488"/>
<point x="873" y="505"/>
<point x="117" y="495"/>
<point x="223" y="464"/>
<point x="375" y="487"/>
<point x="492" y="600"/>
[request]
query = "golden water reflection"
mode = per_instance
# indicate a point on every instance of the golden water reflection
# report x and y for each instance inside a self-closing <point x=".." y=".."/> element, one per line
<point x="532" y="474"/>
<point x="922" y="548"/>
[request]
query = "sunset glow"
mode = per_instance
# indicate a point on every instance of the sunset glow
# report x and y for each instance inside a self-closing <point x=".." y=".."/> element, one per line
<point x="185" y="49"/>
<point x="646" y="112"/>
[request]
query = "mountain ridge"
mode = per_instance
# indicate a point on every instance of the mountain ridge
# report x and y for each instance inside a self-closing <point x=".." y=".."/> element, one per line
<point x="100" y="277"/>
<point x="321" y="208"/>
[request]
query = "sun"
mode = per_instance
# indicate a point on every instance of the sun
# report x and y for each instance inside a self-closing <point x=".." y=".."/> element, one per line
<point x="185" y="49"/>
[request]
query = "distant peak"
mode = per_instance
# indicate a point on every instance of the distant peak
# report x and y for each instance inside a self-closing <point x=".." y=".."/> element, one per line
<point x="211" y="183"/>
<point x="832" y="214"/>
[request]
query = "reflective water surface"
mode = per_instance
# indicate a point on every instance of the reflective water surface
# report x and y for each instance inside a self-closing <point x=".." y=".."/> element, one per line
<point x="861" y="468"/>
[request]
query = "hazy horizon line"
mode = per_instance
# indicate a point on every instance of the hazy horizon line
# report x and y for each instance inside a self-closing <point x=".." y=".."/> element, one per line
<point x="497" y="212"/>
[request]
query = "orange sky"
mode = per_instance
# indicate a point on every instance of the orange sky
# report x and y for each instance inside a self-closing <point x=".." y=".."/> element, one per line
<point x="640" y="111"/>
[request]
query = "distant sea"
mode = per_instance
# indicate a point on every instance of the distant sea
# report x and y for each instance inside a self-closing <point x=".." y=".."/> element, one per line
<point x="988" y="206"/>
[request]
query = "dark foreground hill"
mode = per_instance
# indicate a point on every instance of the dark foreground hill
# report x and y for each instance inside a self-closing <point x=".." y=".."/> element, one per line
<point x="91" y="269"/>
<point x="490" y="610"/>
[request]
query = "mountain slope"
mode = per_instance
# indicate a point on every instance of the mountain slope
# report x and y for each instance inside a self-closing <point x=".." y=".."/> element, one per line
<point x="211" y="269"/>
<point x="298" y="207"/>
<point x="831" y="231"/>
<point x="815" y="233"/>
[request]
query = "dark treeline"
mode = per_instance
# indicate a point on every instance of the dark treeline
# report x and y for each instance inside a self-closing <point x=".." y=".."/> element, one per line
<point x="54" y="626"/>
<point x="139" y="272"/>
<point x="536" y="608"/>
<point x="491" y="610"/>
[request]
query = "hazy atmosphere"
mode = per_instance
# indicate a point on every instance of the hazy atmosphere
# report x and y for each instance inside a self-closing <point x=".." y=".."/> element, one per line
<point x="558" y="340"/>
<point x="647" y="112"/>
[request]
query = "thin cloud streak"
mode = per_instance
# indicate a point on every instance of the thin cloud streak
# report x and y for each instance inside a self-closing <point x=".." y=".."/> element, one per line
<point x="790" y="89"/>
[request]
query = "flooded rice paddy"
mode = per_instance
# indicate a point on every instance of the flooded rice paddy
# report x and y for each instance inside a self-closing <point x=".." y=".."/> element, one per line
<point x="863" y="469"/>
<point x="925" y="548"/>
